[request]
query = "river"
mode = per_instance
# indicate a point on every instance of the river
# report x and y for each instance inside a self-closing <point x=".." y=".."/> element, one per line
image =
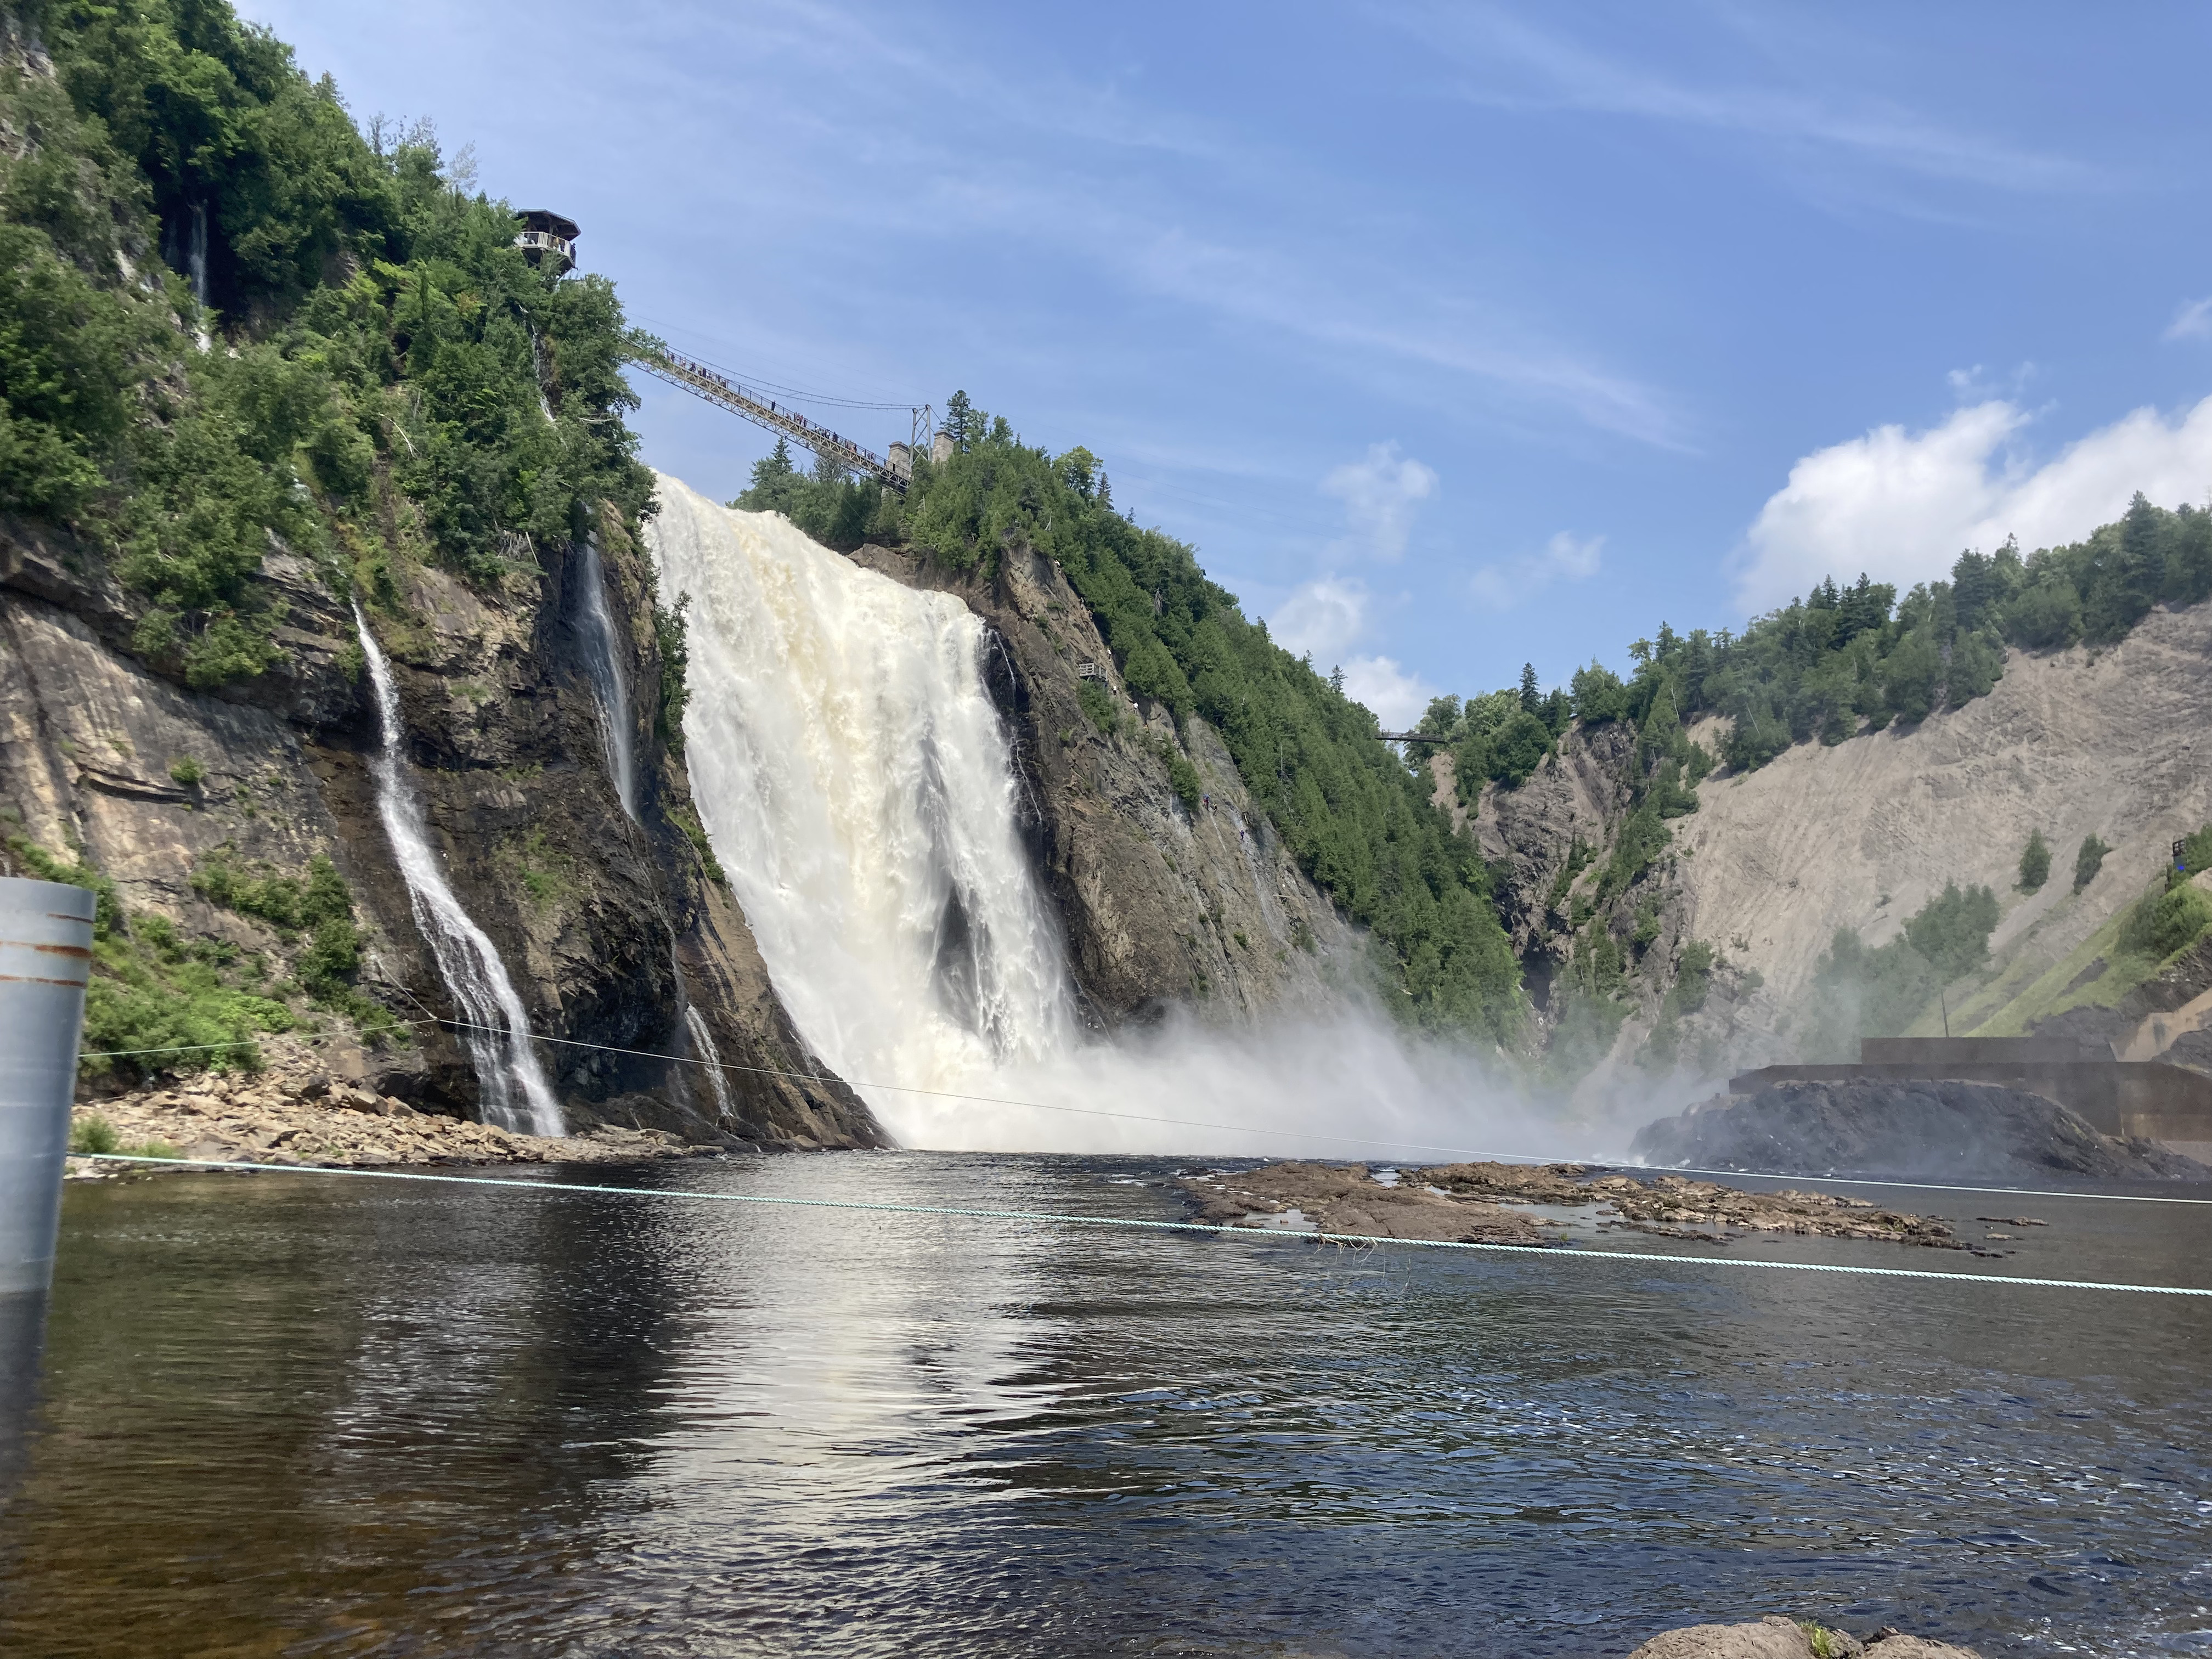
<point x="307" y="1415"/>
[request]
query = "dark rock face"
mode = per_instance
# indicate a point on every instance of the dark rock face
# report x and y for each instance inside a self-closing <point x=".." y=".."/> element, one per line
<point x="609" y="928"/>
<point x="1963" y="1131"/>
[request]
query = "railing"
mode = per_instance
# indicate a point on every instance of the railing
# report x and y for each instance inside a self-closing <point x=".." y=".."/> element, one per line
<point x="1410" y="737"/>
<point x="702" y="381"/>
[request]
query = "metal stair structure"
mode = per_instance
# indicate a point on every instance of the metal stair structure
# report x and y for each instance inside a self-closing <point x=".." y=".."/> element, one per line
<point x="893" y="471"/>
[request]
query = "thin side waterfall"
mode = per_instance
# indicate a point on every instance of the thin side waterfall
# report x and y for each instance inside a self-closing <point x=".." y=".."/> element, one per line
<point x="610" y="685"/>
<point x="705" y="1039"/>
<point x="855" y="780"/>
<point x="196" y="264"/>
<point x="515" y="1092"/>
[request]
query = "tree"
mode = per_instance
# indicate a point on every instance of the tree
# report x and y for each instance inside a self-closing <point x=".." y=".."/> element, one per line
<point x="1530" y="697"/>
<point x="776" y="483"/>
<point x="2034" y="862"/>
<point x="960" y="420"/>
<point x="2088" y="861"/>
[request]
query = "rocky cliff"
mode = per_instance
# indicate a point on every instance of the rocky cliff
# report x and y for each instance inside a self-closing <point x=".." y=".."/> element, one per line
<point x="1860" y="835"/>
<point x="610" y="928"/>
<point x="1168" y="897"/>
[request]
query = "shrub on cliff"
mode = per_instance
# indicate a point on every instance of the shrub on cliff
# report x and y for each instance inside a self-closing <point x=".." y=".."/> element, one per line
<point x="2159" y="925"/>
<point x="2034" y="862"/>
<point x="2088" y="861"/>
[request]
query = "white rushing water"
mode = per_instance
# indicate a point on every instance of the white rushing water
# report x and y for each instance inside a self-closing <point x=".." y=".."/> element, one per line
<point x="851" y="772"/>
<point x="610" y="685"/>
<point x="703" y="1040"/>
<point x="514" y="1089"/>
<point x="855" y="780"/>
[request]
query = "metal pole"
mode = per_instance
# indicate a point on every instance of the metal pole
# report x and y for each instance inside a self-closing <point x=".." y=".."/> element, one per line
<point x="46" y="959"/>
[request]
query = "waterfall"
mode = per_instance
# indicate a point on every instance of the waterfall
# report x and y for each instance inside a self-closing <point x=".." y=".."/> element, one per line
<point x="498" y="1037"/>
<point x="853" y="777"/>
<point x="609" y="684"/>
<point x="704" y="1041"/>
<point x="195" y="265"/>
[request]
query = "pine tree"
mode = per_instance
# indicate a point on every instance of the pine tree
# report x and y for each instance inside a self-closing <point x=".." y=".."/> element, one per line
<point x="1531" y="699"/>
<point x="2034" y="862"/>
<point x="2088" y="861"/>
<point x="959" y="421"/>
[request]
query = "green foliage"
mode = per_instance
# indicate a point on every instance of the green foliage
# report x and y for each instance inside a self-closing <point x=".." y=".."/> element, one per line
<point x="1356" y="817"/>
<point x="1182" y="776"/>
<point x="108" y="908"/>
<point x="2088" y="861"/>
<point x="1599" y="695"/>
<point x="1098" y="706"/>
<point x="2159" y="925"/>
<point x="93" y="1135"/>
<point x="1953" y="929"/>
<point x="285" y="903"/>
<point x="2034" y="862"/>
<point x="697" y="835"/>
<point x="830" y="505"/>
<point x="187" y="771"/>
<point x="1878" y="992"/>
<point x="671" y="628"/>
<point x="382" y="334"/>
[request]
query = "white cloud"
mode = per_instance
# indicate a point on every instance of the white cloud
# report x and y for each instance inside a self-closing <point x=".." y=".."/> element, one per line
<point x="1380" y="495"/>
<point x="1394" y="697"/>
<point x="1900" y="505"/>
<point x="1563" y="559"/>
<point x="2192" y="322"/>
<point x="1324" y="618"/>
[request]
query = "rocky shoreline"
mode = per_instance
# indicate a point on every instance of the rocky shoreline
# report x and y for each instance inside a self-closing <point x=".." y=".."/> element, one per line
<point x="1467" y="1203"/>
<point x="302" y="1109"/>
<point x="1777" y="1638"/>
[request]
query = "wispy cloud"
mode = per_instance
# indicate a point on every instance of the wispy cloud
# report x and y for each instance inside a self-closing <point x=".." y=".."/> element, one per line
<point x="2192" y="322"/>
<point x="1546" y="69"/>
<point x="1380" y="495"/>
<point x="1565" y="558"/>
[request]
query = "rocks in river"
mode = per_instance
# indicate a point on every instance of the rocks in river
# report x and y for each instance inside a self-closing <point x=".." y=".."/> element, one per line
<point x="1345" y="1199"/>
<point x="1674" y="1206"/>
<point x="1777" y="1638"/>
<point x="1917" y="1128"/>
<point x="1467" y="1202"/>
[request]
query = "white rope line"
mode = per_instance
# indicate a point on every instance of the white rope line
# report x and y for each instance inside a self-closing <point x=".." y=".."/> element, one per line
<point x="1551" y="1252"/>
<point x="1462" y="1152"/>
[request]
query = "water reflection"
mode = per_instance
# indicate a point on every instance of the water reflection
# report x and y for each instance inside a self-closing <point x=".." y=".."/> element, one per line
<point x="287" y="1416"/>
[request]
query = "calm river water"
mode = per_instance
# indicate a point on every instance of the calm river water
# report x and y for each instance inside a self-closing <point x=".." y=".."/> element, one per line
<point x="303" y="1415"/>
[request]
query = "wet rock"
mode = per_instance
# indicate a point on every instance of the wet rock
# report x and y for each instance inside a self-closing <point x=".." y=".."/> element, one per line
<point x="1894" y="1646"/>
<point x="1344" y="1198"/>
<point x="1772" y="1637"/>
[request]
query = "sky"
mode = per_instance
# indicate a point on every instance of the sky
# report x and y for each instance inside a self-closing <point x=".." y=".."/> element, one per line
<point x="1452" y="337"/>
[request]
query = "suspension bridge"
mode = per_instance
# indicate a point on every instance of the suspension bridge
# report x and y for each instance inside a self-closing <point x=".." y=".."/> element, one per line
<point x="894" y="470"/>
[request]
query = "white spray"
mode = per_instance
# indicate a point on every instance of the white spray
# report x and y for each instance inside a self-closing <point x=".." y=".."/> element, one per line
<point x="703" y="1040"/>
<point x="196" y="264"/>
<point x="499" y="1037"/>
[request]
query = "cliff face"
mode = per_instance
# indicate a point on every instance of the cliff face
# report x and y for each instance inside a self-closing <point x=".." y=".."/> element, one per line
<point x="1863" y="833"/>
<point x="609" y="928"/>
<point x="1163" y="902"/>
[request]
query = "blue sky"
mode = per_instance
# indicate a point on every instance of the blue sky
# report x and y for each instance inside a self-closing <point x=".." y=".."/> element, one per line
<point x="1451" y="335"/>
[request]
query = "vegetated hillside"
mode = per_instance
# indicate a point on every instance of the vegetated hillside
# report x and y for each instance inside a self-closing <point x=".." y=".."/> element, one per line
<point x="1356" y="818"/>
<point x="373" y="399"/>
<point x="1669" y="925"/>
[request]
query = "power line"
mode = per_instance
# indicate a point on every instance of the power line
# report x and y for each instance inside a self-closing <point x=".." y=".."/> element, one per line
<point x="1550" y="1252"/>
<point x="1462" y="1152"/>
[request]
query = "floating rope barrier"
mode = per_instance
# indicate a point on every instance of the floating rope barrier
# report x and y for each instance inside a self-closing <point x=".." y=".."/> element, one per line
<point x="1549" y="1252"/>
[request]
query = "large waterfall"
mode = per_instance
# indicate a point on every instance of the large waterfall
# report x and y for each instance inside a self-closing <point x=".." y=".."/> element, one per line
<point x="853" y="774"/>
<point x="856" y="782"/>
<point x="496" y="1029"/>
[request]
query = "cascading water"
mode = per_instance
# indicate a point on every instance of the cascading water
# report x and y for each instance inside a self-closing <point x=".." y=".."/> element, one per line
<point x="853" y="777"/>
<point x="610" y="686"/>
<point x="703" y="1040"/>
<point x="515" y="1093"/>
